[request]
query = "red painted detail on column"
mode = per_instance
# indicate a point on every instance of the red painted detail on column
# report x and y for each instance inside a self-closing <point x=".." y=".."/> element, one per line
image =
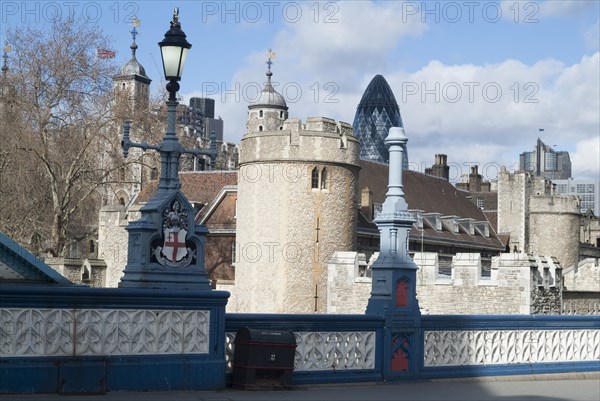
<point x="401" y="293"/>
<point x="399" y="361"/>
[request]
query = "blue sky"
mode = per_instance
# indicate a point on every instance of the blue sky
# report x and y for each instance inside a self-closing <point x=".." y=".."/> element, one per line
<point x="474" y="79"/>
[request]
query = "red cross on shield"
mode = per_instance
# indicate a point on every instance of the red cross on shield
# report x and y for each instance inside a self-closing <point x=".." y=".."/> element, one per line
<point x="174" y="248"/>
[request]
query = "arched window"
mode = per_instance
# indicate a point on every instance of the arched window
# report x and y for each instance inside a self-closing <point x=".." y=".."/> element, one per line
<point x="324" y="178"/>
<point x="260" y="127"/>
<point x="122" y="201"/>
<point x="315" y="178"/>
<point x="260" y="114"/>
<point x="92" y="246"/>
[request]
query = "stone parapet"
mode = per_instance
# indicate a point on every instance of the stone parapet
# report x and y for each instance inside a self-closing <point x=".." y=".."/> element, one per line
<point x="319" y="140"/>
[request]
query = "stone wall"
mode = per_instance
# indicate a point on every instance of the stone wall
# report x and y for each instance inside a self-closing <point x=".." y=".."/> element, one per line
<point x="513" y="191"/>
<point x="554" y="227"/>
<point x="506" y="291"/>
<point x="581" y="288"/>
<point x="347" y="283"/>
<point x="112" y="242"/>
<point x="288" y="224"/>
<point x="546" y="301"/>
<point x="585" y="276"/>
<point x="90" y="272"/>
<point x="517" y="284"/>
<point x="581" y="303"/>
<point x="539" y="221"/>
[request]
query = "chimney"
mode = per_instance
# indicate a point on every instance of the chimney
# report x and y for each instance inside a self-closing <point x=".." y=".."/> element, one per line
<point x="440" y="168"/>
<point x="474" y="180"/>
<point x="366" y="202"/>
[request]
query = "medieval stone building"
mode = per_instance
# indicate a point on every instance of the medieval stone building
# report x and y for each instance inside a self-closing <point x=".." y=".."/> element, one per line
<point x="292" y="231"/>
<point x="296" y="205"/>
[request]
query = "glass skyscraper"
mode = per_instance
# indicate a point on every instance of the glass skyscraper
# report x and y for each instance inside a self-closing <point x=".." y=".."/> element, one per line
<point x="544" y="160"/>
<point x="376" y="113"/>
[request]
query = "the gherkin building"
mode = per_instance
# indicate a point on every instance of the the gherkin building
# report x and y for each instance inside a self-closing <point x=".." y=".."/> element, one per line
<point x="375" y="114"/>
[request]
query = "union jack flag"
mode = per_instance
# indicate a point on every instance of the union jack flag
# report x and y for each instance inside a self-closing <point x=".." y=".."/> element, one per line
<point x="105" y="53"/>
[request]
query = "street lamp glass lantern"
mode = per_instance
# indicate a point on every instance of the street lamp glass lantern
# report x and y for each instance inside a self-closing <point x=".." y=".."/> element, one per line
<point x="174" y="49"/>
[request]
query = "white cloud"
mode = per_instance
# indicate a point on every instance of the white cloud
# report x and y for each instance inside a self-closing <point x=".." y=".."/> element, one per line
<point x="494" y="118"/>
<point x="360" y="39"/>
<point x="491" y="129"/>
<point x="592" y="36"/>
<point x="587" y="154"/>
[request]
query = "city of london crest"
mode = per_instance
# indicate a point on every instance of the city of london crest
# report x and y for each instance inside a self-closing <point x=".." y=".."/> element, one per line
<point x="174" y="251"/>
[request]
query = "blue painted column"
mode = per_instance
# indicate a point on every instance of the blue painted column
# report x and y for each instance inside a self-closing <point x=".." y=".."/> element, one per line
<point x="393" y="293"/>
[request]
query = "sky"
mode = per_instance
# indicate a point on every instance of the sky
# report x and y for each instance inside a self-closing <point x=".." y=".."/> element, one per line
<point x="475" y="80"/>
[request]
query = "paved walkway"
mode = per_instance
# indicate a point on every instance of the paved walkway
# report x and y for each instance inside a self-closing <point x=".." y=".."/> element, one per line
<point x="544" y="387"/>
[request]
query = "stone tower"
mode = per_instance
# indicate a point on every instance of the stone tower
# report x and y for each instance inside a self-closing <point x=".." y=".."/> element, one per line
<point x="132" y="85"/>
<point x="132" y="97"/>
<point x="540" y="221"/>
<point x="297" y="200"/>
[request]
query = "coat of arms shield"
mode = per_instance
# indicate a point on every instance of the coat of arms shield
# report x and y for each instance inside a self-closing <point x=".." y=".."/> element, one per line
<point x="174" y="248"/>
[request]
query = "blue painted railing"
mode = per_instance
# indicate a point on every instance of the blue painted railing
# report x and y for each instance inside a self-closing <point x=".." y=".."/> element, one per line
<point x="330" y="348"/>
<point x="452" y="345"/>
<point x="483" y="345"/>
<point x="75" y="339"/>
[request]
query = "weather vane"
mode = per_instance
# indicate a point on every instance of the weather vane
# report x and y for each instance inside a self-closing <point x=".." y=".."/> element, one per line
<point x="270" y="57"/>
<point x="136" y="24"/>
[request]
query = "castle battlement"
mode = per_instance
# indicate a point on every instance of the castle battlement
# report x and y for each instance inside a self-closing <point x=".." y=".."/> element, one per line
<point x="467" y="283"/>
<point x="319" y="139"/>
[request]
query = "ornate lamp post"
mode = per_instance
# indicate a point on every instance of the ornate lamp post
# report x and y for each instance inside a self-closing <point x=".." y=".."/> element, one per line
<point x="166" y="247"/>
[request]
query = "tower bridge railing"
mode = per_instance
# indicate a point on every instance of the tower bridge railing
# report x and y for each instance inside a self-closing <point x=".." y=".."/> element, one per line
<point x="346" y="348"/>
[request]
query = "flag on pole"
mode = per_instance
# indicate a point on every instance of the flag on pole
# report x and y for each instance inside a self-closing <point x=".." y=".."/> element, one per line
<point x="105" y="53"/>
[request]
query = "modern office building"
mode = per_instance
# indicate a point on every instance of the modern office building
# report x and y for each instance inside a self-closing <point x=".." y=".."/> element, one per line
<point x="376" y="113"/>
<point x="545" y="161"/>
<point x="588" y="192"/>
<point x="200" y="118"/>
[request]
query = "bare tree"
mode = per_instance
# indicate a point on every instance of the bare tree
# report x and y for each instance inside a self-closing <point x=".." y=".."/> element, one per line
<point x="51" y="151"/>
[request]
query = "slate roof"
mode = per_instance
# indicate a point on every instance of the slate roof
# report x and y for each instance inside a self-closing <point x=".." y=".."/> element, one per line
<point x="18" y="265"/>
<point x="431" y="195"/>
<point x="422" y="192"/>
<point x="197" y="186"/>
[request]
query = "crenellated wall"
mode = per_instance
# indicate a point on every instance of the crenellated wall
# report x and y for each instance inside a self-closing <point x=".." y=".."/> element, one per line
<point x="515" y="284"/>
<point x="581" y="288"/>
<point x="539" y="221"/>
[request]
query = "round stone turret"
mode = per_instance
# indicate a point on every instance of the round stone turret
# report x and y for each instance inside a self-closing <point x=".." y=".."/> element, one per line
<point x="296" y="206"/>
